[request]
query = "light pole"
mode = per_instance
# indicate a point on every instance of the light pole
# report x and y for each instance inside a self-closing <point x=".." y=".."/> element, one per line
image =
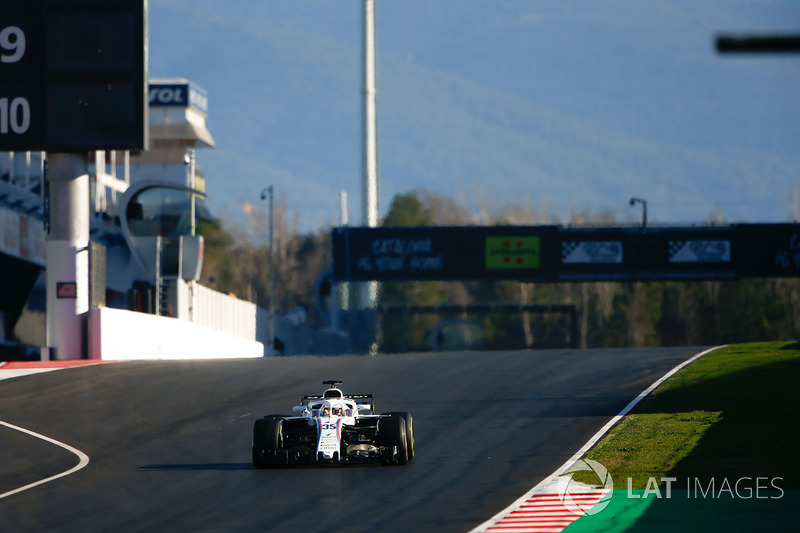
<point x="189" y="159"/>
<point x="635" y="201"/>
<point x="268" y="193"/>
<point x="369" y="213"/>
<point x="369" y="290"/>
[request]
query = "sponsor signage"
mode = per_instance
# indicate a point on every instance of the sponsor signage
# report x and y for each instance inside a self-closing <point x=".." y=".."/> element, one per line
<point x="442" y="253"/>
<point x="556" y="254"/>
<point x="596" y="254"/>
<point x="66" y="290"/>
<point x="591" y="252"/>
<point x="183" y="94"/>
<point x="516" y="253"/>
<point x="73" y="75"/>
<point x="699" y="251"/>
<point x="691" y="253"/>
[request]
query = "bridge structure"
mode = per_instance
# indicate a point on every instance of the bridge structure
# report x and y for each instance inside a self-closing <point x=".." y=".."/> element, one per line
<point x="551" y="254"/>
<point x="566" y="254"/>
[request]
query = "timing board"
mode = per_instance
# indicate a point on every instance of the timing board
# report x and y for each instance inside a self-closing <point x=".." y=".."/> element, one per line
<point x="73" y="75"/>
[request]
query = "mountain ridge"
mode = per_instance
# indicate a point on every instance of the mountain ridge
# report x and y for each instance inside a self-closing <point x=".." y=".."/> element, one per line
<point x="566" y="108"/>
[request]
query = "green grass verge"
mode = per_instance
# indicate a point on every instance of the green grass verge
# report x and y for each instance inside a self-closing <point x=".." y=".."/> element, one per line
<point x="725" y="428"/>
<point x="735" y="412"/>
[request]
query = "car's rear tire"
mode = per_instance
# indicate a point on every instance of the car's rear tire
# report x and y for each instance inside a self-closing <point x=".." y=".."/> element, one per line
<point x="266" y="442"/>
<point x="409" y="432"/>
<point x="391" y="433"/>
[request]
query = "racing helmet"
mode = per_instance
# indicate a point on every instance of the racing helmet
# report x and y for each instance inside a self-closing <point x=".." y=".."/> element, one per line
<point x="338" y="411"/>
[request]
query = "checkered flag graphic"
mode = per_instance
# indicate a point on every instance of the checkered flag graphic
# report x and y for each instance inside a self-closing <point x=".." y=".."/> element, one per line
<point x="675" y="247"/>
<point x="567" y="248"/>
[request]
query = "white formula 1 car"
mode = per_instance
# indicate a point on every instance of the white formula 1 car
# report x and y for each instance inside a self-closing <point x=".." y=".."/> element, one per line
<point x="333" y="429"/>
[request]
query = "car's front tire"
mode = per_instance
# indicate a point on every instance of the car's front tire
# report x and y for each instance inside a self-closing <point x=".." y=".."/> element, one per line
<point x="266" y="442"/>
<point x="409" y="432"/>
<point x="392" y="433"/>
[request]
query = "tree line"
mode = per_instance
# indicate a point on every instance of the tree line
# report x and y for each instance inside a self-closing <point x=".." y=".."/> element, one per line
<point x="609" y="314"/>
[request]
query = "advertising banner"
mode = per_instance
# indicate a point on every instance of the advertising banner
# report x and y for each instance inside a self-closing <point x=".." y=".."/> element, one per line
<point x="558" y="254"/>
<point x="444" y="253"/>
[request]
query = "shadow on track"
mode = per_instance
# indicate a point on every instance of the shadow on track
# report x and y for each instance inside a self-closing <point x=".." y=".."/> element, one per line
<point x="197" y="467"/>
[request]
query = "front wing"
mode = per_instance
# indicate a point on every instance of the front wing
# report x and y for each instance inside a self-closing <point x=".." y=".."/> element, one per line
<point x="304" y="444"/>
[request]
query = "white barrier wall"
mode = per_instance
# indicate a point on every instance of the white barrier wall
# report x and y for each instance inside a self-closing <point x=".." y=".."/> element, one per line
<point x="116" y="334"/>
<point x="216" y="310"/>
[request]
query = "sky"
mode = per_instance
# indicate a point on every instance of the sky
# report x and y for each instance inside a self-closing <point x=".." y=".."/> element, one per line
<point x="563" y="107"/>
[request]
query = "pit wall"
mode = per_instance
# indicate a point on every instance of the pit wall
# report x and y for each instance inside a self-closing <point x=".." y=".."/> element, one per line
<point x="116" y="334"/>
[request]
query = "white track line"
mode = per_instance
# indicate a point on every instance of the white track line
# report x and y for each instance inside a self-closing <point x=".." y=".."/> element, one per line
<point x="83" y="460"/>
<point x="551" y="480"/>
<point x="18" y="372"/>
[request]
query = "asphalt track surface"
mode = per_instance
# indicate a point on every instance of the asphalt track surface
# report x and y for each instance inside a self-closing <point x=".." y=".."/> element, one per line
<point x="169" y="442"/>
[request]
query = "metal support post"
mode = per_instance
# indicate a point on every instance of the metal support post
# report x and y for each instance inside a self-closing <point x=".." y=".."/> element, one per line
<point x="269" y="193"/>
<point x="68" y="255"/>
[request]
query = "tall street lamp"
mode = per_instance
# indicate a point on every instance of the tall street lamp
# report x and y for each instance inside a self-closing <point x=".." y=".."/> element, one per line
<point x="635" y="201"/>
<point x="268" y="193"/>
